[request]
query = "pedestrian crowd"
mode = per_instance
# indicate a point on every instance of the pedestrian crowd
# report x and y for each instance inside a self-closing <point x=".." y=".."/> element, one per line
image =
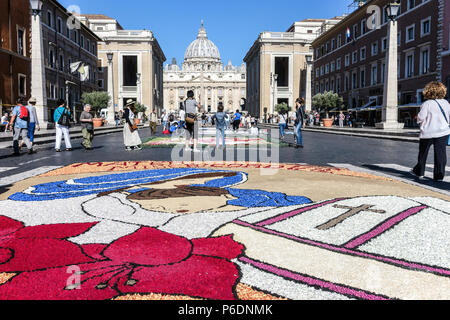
<point x="433" y="119"/>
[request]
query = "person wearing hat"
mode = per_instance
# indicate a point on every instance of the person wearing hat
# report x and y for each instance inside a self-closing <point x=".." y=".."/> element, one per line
<point x="34" y="122"/>
<point x="131" y="137"/>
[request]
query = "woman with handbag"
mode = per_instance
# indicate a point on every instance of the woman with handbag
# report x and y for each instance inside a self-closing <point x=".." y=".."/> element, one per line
<point x="61" y="117"/>
<point x="434" y="120"/>
<point x="191" y="109"/>
<point x="131" y="137"/>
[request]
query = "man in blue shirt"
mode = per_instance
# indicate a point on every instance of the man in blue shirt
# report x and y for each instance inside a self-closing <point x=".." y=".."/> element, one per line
<point x="237" y="121"/>
<point x="20" y="128"/>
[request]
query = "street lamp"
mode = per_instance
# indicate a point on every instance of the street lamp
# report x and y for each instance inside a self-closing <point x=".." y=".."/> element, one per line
<point x="308" y="99"/>
<point x="392" y="10"/>
<point x="36" y="7"/>
<point x="38" y="80"/>
<point x="274" y="84"/>
<point x="390" y="98"/>
<point x="112" y="107"/>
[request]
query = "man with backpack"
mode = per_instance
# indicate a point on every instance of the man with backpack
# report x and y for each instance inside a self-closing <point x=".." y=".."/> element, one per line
<point x="19" y="123"/>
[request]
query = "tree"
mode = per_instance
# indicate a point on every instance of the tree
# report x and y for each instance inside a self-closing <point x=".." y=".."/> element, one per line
<point x="282" y="108"/>
<point x="327" y="100"/>
<point x="97" y="99"/>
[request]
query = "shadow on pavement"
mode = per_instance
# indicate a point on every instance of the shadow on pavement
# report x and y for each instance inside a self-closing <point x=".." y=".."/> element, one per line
<point x="408" y="176"/>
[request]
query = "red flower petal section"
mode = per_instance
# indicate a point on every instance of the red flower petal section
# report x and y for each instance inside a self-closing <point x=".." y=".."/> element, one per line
<point x="5" y="255"/>
<point x="149" y="247"/>
<point x="223" y="247"/>
<point x="36" y="254"/>
<point x="198" y="276"/>
<point x="8" y="226"/>
<point x="55" y="231"/>
<point x="94" y="251"/>
<point x="55" y="284"/>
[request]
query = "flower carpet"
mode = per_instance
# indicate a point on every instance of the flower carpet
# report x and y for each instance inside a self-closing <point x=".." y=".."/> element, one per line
<point x="221" y="231"/>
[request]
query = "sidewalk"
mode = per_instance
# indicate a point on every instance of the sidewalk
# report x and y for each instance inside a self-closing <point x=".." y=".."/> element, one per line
<point x="46" y="136"/>
<point x="408" y="135"/>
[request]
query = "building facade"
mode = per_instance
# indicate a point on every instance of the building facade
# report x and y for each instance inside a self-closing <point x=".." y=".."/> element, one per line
<point x="350" y="59"/>
<point x="276" y="65"/>
<point x="203" y="72"/>
<point x="137" y="63"/>
<point x="15" y="52"/>
<point x="65" y="41"/>
<point x="445" y="29"/>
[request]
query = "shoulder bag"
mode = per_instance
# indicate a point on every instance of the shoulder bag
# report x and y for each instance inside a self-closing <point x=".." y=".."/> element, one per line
<point x="64" y="119"/>
<point x="446" y="120"/>
<point x="190" y="118"/>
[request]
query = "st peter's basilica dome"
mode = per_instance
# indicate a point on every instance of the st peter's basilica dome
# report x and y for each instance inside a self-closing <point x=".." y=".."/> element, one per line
<point x="202" y="49"/>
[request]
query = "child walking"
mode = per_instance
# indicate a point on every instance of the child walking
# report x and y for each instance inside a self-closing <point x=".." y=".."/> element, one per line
<point x="220" y="120"/>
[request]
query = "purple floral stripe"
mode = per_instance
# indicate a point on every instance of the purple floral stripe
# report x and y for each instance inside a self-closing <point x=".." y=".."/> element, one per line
<point x="383" y="227"/>
<point x="395" y="262"/>
<point x="361" y="294"/>
<point x="291" y="214"/>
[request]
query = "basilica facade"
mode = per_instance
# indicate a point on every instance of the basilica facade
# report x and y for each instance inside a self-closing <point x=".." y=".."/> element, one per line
<point x="203" y="72"/>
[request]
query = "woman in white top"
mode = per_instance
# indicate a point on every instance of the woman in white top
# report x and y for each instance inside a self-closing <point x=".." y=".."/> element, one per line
<point x="434" y="120"/>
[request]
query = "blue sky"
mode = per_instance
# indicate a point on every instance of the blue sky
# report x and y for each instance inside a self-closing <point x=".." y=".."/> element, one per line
<point x="232" y="25"/>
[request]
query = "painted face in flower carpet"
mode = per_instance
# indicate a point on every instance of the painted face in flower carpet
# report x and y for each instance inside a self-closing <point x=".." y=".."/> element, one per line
<point x="183" y="195"/>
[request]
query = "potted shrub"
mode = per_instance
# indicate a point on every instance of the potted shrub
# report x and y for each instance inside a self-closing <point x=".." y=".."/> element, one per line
<point x="327" y="101"/>
<point x="98" y="100"/>
<point x="140" y="110"/>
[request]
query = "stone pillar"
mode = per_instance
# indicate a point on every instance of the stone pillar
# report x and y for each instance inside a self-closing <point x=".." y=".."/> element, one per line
<point x="111" y="107"/>
<point x="308" y="94"/>
<point x="38" y="81"/>
<point x="390" y="101"/>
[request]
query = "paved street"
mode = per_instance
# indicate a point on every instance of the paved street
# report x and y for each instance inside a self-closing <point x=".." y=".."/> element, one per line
<point x="366" y="154"/>
<point x="337" y="220"/>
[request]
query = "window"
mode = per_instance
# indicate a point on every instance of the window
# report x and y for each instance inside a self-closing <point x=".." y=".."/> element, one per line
<point x="363" y="78"/>
<point x="52" y="93"/>
<point x="339" y="41"/>
<point x="347" y="60"/>
<point x="354" y="80"/>
<point x="363" y="27"/>
<point x="425" y="27"/>
<point x="384" y="44"/>
<point x="59" y="26"/>
<point x="317" y="72"/>
<point x="61" y="93"/>
<point x="374" y="75"/>
<point x="385" y="14"/>
<point x="22" y="85"/>
<point x="327" y="68"/>
<point x="409" y="65"/>
<point x="355" y="31"/>
<point x="51" y="58"/>
<point x="425" y="60"/>
<point x="322" y="70"/>
<point x="333" y="44"/>
<point x="332" y="67"/>
<point x="411" y="4"/>
<point x="346" y="83"/>
<point x="338" y="85"/>
<point x="88" y="46"/>
<point x="374" y="48"/>
<point x="243" y="76"/>
<point x="21" y="41"/>
<point x="410" y="33"/>
<point x="49" y="19"/>
<point x="382" y="71"/>
<point x="61" y="62"/>
<point x="363" y="53"/>
<point x="355" y="57"/>
<point x="82" y="42"/>
<point x="338" y="64"/>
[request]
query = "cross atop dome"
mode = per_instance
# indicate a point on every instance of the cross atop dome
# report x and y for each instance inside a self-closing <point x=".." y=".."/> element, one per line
<point x="202" y="32"/>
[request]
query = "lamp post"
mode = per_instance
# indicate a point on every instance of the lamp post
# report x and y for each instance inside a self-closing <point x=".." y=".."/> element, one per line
<point x="138" y="87"/>
<point x="38" y="89"/>
<point x="112" y="105"/>
<point x="390" y="99"/>
<point x="274" y="91"/>
<point x="308" y="97"/>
